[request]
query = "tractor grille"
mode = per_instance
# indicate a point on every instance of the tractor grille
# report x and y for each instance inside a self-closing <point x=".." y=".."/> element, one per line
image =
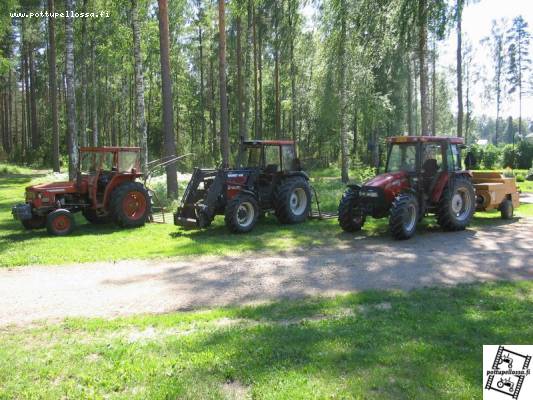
<point x="372" y="200"/>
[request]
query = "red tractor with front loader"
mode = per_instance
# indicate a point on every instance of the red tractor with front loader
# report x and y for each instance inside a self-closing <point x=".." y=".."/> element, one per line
<point x="106" y="189"/>
<point x="268" y="178"/>
<point x="423" y="175"/>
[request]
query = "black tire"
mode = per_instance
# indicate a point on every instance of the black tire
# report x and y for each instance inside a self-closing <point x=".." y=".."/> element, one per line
<point x="36" y="222"/>
<point x="351" y="219"/>
<point x="241" y="213"/>
<point x="507" y="209"/>
<point x="93" y="217"/>
<point x="457" y="205"/>
<point x="59" y="222"/>
<point x="403" y="216"/>
<point x="130" y="205"/>
<point x="292" y="200"/>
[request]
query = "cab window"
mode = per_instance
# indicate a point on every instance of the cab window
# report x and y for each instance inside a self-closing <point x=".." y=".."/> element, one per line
<point x="287" y="156"/>
<point x="453" y="157"/>
<point x="432" y="159"/>
<point x="402" y="157"/>
<point x="272" y="157"/>
<point x="127" y="160"/>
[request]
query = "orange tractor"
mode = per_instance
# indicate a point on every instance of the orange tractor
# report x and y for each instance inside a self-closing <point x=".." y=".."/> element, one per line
<point x="106" y="189"/>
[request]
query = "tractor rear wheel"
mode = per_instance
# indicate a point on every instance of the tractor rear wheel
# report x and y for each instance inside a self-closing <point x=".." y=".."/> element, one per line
<point x="60" y="222"/>
<point x="130" y="205"/>
<point x="457" y="205"/>
<point x="93" y="217"/>
<point x="292" y="201"/>
<point x="507" y="209"/>
<point x="403" y="216"/>
<point x="36" y="222"/>
<point x="351" y="218"/>
<point x="241" y="213"/>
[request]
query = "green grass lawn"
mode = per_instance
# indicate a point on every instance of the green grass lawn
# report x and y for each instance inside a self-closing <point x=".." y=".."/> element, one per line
<point x="422" y="344"/>
<point x="95" y="243"/>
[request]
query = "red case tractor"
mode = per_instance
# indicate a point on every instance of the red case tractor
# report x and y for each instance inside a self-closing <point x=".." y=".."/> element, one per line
<point x="105" y="190"/>
<point x="269" y="177"/>
<point x="423" y="175"/>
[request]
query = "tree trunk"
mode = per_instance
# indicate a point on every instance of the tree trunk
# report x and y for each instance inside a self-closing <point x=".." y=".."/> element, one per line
<point x="83" y="70"/>
<point x="248" y="65"/>
<point x="459" y="11"/>
<point x="256" y="87"/>
<point x="260" y="82"/>
<point x="53" y="86"/>
<point x="94" y="92"/>
<point x="240" y="81"/>
<point x="434" y="88"/>
<point x="202" y="84"/>
<point x="35" y="139"/>
<point x="27" y="98"/>
<point x="277" y="108"/>
<point x="409" y="97"/>
<point x="71" y="96"/>
<point x="224" y="134"/>
<point x="140" y="120"/>
<point x="291" y="17"/>
<point x="343" y="95"/>
<point x="422" y="54"/>
<point x="166" y="88"/>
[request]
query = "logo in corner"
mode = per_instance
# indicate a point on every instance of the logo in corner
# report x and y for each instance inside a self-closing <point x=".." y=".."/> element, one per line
<point x="507" y="372"/>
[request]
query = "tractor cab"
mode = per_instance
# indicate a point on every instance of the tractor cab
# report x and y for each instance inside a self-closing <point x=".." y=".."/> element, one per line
<point x="269" y="156"/>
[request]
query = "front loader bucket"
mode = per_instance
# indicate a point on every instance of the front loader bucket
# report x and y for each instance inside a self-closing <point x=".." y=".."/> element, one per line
<point x="199" y="199"/>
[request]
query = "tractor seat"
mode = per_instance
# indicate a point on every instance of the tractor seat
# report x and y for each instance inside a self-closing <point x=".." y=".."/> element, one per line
<point x="271" y="168"/>
<point x="430" y="168"/>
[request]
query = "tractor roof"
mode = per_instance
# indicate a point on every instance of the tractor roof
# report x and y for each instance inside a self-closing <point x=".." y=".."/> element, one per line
<point x="268" y="142"/>
<point x="109" y="149"/>
<point x="423" y="139"/>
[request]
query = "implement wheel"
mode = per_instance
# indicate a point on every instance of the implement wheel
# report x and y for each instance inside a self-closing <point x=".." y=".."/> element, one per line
<point x="507" y="209"/>
<point x="60" y="222"/>
<point x="130" y="205"/>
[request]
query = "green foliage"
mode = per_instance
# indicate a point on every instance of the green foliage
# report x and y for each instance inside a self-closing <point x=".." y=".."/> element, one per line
<point x="478" y="153"/>
<point x="520" y="178"/>
<point x="510" y="156"/>
<point x="525" y="154"/>
<point x="491" y="156"/>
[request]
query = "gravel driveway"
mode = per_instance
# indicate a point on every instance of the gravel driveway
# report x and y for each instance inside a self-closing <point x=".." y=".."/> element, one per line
<point x="154" y="286"/>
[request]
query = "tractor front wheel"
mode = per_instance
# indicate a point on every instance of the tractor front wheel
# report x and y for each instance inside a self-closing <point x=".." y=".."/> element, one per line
<point x="130" y="205"/>
<point x="36" y="222"/>
<point x="457" y="205"/>
<point x="292" y="201"/>
<point x="241" y="213"/>
<point x="507" y="209"/>
<point x="403" y="216"/>
<point x="60" y="222"/>
<point x="351" y="219"/>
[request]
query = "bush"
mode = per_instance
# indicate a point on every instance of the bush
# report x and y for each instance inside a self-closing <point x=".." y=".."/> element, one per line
<point x="510" y="156"/>
<point x="477" y="152"/>
<point x="520" y="178"/>
<point x="491" y="156"/>
<point x="525" y="154"/>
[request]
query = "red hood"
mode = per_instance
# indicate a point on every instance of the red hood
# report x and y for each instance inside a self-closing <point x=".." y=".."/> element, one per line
<point x="386" y="178"/>
<point x="53" y="187"/>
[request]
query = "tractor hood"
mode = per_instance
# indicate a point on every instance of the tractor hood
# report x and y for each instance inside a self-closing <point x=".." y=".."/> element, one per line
<point x="386" y="179"/>
<point x="53" y="187"/>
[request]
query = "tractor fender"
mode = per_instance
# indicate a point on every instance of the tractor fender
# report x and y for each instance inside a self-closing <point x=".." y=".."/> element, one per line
<point x="354" y="186"/>
<point x="239" y="191"/>
<point x="297" y="174"/>
<point x="441" y="183"/>
<point x="115" y="182"/>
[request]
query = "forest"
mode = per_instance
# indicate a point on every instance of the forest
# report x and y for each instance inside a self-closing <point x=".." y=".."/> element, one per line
<point x="196" y="76"/>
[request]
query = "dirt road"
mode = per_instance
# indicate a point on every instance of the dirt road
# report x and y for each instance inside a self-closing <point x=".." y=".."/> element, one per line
<point x="153" y="286"/>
